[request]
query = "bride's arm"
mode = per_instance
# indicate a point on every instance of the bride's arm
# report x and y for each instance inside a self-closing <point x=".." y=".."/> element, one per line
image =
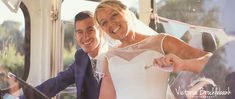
<point x="107" y="90"/>
<point x="194" y="65"/>
<point x="182" y="56"/>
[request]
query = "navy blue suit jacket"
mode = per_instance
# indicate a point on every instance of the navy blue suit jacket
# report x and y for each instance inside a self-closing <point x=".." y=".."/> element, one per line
<point x="80" y="73"/>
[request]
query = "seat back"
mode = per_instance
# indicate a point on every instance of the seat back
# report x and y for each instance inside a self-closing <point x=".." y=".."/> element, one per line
<point x="208" y="42"/>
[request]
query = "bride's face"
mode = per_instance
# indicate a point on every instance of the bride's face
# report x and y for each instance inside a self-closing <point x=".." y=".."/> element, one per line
<point x="112" y="22"/>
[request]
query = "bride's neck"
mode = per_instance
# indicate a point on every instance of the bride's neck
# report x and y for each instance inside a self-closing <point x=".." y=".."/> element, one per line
<point x="131" y="38"/>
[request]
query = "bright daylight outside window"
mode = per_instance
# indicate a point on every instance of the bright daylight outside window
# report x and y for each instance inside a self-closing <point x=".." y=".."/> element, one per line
<point x="69" y="9"/>
<point x="14" y="43"/>
<point x="196" y="22"/>
<point x="192" y="12"/>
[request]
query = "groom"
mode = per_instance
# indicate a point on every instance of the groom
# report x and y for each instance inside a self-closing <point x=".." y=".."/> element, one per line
<point x="80" y="72"/>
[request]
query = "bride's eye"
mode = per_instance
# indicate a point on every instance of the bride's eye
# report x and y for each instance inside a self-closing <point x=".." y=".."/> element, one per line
<point x="114" y="14"/>
<point x="103" y="23"/>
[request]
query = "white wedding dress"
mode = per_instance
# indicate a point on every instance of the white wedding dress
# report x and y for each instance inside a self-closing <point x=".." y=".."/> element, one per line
<point x="131" y="79"/>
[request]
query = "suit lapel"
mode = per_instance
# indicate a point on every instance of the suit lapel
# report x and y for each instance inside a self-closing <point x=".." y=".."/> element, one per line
<point x="82" y="61"/>
<point x="85" y="77"/>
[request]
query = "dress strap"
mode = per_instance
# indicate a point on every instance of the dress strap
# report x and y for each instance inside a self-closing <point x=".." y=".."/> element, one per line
<point x="164" y="36"/>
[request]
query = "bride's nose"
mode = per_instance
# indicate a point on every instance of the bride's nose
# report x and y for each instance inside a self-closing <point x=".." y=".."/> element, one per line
<point x="111" y="26"/>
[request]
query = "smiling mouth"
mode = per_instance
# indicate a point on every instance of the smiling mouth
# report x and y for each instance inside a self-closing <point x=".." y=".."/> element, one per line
<point x="87" y="42"/>
<point x="116" y="29"/>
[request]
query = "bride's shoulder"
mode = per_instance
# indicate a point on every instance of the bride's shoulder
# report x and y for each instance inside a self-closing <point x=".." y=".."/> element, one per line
<point x="158" y="37"/>
<point x="111" y="51"/>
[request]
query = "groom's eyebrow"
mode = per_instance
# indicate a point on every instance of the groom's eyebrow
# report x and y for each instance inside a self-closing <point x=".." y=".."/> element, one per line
<point x="90" y="27"/>
<point x="78" y="30"/>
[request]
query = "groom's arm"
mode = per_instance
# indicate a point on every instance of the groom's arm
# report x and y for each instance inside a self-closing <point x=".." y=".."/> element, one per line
<point x="54" y="85"/>
<point x="65" y="78"/>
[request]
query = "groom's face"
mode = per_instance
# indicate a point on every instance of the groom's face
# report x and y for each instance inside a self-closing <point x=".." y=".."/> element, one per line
<point x="87" y="35"/>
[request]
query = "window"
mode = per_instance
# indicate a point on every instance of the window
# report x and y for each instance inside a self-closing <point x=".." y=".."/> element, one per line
<point x="198" y="22"/>
<point x="180" y="16"/>
<point x="195" y="12"/>
<point x="14" y="42"/>
<point x="69" y="9"/>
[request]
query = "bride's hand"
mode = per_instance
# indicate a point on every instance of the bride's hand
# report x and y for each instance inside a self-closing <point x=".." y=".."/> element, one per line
<point x="170" y="60"/>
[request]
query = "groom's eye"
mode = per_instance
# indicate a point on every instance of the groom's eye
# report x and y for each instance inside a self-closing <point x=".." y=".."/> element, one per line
<point x="78" y="32"/>
<point x="90" y="30"/>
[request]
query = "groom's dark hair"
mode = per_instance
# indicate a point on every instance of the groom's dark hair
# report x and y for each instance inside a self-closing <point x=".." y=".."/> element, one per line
<point x="83" y="15"/>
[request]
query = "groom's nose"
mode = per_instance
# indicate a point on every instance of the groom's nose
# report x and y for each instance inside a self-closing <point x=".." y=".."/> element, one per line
<point x="85" y="36"/>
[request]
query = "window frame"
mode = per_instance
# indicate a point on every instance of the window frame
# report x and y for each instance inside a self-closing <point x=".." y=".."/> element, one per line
<point x="26" y="41"/>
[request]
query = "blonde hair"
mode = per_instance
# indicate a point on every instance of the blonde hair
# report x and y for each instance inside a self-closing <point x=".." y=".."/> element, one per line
<point x="115" y="5"/>
<point x="120" y="8"/>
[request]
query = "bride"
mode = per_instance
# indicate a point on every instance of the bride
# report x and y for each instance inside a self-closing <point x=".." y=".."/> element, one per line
<point x="130" y="69"/>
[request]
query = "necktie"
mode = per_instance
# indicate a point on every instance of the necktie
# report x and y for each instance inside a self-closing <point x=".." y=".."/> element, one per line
<point x="93" y="64"/>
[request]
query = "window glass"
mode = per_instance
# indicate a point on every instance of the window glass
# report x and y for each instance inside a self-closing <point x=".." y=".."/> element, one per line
<point x="193" y="17"/>
<point x="197" y="22"/>
<point x="195" y="12"/>
<point x="14" y="45"/>
<point x="69" y="9"/>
